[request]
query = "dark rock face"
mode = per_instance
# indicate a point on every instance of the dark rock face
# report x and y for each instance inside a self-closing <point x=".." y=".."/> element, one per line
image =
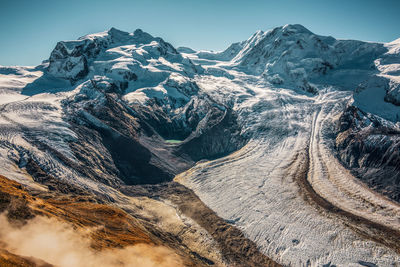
<point x="110" y="129"/>
<point x="72" y="65"/>
<point x="52" y="183"/>
<point x="174" y="125"/>
<point x="219" y="136"/>
<point x="208" y="129"/>
<point x="132" y="159"/>
<point x="372" y="153"/>
<point x="126" y="143"/>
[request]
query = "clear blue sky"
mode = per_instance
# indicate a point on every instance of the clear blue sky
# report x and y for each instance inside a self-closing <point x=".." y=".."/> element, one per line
<point x="30" y="29"/>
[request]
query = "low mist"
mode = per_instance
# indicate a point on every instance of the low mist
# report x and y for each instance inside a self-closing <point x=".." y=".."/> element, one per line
<point x="59" y="244"/>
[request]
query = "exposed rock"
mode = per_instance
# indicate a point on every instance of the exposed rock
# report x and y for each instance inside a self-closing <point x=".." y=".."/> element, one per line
<point x="217" y="135"/>
<point x="371" y="148"/>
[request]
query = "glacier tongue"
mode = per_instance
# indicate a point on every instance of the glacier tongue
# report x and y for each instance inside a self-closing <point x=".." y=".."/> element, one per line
<point x="258" y="188"/>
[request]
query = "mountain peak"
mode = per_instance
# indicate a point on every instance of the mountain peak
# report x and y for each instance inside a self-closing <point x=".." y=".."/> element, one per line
<point x="295" y="28"/>
<point x="395" y="42"/>
<point x="115" y="31"/>
<point x="138" y="32"/>
<point x="115" y="51"/>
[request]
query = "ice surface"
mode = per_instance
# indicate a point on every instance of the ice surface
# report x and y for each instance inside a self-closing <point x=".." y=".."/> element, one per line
<point x="256" y="190"/>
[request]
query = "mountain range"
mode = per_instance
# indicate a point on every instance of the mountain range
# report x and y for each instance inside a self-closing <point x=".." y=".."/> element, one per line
<point x="282" y="150"/>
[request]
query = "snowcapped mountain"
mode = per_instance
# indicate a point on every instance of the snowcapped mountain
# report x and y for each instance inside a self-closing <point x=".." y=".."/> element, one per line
<point x="293" y="57"/>
<point x="119" y="54"/>
<point x="293" y="52"/>
<point x="289" y="139"/>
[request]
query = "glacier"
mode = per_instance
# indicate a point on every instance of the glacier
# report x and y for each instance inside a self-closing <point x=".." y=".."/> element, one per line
<point x="282" y="135"/>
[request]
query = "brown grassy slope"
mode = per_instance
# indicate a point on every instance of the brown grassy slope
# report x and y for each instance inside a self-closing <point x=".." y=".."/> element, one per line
<point x="112" y="227"/>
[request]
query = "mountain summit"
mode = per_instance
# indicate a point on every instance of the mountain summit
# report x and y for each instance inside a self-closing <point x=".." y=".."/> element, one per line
<point x="110" y="51"/>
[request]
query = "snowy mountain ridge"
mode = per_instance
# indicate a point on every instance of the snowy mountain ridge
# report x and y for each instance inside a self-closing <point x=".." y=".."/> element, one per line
<point x="289" y="56"/>
<point x="294" y="57"/>
<point x="116" y="53"/>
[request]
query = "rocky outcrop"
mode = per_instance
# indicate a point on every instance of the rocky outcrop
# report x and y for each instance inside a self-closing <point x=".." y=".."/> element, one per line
<point x="217" y="135"/>
<point x="371" y="149"/>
